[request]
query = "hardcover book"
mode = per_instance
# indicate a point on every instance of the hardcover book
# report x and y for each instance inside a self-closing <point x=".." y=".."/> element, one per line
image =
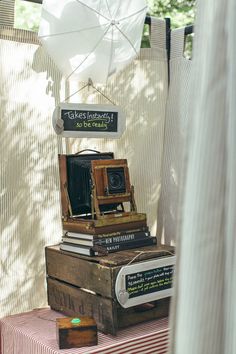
<point x="107" y="240"/>
<point x="115" y="247"/>
<point x="86" y="251"/>
<point x="92" y="236"/>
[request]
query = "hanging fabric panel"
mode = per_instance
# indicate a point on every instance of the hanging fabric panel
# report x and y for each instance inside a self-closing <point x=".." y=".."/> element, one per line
<point x="174" y="141"/>
<point x="29" y="183"/>
<point x="204" y="312"/>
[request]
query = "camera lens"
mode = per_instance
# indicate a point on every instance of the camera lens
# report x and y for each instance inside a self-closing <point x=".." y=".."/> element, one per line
<point x="116" y="180"/>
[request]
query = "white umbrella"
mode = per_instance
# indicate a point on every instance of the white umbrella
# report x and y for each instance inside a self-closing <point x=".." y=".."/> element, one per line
<point x="92" y="38"/>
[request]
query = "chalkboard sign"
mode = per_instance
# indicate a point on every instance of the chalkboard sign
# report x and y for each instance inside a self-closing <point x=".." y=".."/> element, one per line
<point x="88" y="120"/>
<point x="149" y="281"/>
<point x="95" y="121"/>
<point x="145" y="281"/>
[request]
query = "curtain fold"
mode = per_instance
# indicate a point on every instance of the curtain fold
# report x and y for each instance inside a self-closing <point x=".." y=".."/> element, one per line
<point x="203" y="308"/>
<point x="174" y="140"/>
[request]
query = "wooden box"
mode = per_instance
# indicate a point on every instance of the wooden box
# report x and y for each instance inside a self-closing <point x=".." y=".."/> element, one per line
<point x="76" y="332"/>
<point x="79" y="285"/>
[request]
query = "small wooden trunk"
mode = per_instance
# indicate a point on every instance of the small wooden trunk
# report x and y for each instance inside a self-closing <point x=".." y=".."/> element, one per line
<point x="79" y="285"/>
<point x="76" y="332"/>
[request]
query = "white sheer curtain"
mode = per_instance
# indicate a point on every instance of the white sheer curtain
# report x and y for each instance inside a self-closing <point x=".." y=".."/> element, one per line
<point x="204" y="309"/>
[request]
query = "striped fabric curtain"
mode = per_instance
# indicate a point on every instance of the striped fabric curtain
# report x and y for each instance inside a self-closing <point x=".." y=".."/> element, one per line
<point x="204" y="311"/>
<point x="7" y="8"/>
<point x="174" y="141"/>
<point x="29" y="178"/>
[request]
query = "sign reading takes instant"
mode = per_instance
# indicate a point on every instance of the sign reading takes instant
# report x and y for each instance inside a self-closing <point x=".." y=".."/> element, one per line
<point x="144" y="282"/>
<point x="88" y="120"/>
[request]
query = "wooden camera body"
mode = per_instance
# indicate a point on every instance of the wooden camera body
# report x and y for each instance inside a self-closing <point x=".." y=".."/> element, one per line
<point x="94" y="188"/>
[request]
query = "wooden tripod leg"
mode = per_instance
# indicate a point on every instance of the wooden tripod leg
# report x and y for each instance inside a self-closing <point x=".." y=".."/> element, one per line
<point x="68" y="199"/>
<point x="133" y="206"/>
<point x="95" y="206"/>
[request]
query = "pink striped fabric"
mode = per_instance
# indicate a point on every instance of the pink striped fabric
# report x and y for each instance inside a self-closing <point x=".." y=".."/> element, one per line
<point x="35" y="333"/>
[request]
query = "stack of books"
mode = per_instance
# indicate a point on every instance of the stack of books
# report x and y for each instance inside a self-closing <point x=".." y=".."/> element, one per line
<point x="95" y="245"/>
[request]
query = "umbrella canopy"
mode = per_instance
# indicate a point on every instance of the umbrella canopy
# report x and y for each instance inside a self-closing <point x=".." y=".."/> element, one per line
<point x="92" y="38"/>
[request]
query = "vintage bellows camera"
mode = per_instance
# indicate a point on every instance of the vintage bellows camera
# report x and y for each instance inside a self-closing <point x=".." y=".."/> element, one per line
<point x="95" y="190"/>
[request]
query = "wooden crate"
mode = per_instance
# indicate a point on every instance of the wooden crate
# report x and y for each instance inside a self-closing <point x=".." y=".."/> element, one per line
<point x="79" y="285"/>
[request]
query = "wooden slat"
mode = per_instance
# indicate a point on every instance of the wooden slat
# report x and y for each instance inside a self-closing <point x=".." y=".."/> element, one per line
<point x="145" y="253"/>
<point x="123" y="257"/>
<point x="108" y="163"/>
<point x="75" y="302"/>
<point x="103" y="226"/>
<point x="79" y="271"/>
<point x="142" y="313"/>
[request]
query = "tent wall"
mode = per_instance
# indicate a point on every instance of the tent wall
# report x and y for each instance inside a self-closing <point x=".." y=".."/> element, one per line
<point x="175" y="137"/>
<point x="7" y="8"/>
<point x="30" y="88"/>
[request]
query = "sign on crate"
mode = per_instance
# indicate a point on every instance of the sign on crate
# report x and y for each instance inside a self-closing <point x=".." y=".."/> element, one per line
<point x="145" y="281"/>
<point x="88" y="120"/>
